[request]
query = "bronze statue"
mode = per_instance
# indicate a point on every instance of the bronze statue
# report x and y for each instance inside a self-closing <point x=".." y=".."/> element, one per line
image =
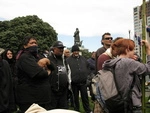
<point x="77" y="37"/>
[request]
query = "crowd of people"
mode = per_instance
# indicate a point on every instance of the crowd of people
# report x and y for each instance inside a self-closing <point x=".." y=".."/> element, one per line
<point x="59" y="76"/>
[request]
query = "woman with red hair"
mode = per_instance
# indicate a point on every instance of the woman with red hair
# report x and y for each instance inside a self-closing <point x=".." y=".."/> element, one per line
<point x="126" y="69"/>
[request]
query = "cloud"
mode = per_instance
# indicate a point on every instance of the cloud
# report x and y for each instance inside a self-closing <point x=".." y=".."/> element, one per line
<point x="92" y="17"/>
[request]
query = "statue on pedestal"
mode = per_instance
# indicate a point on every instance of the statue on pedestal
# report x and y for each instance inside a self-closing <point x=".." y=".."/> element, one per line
<point x="77" y="38"/>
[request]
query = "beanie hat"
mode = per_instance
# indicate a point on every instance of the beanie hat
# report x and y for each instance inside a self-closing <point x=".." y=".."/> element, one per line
<point x="58" y="44"/>
<point x="75" y="48"/>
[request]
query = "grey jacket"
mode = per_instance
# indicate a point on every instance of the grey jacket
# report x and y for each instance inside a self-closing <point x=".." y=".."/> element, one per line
<point x="125" y="69"/>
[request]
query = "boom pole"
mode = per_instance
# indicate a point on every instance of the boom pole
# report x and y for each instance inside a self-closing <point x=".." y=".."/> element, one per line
<point x="143" y="52"/>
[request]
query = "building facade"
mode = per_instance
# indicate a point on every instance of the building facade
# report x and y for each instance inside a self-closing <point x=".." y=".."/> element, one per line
<point x="137" y="16"/>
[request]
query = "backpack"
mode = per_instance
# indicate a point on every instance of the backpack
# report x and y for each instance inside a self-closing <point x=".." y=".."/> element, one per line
<point x="105" y="89"/>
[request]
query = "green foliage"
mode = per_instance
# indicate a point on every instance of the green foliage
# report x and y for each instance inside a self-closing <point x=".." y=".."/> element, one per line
<point x="86" y="54"/>
<point x="12" y="32"/>
<point x="91" y="104"/>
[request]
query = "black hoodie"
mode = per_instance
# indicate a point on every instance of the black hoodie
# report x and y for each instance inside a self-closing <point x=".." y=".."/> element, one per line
<point x="6" y="91"/>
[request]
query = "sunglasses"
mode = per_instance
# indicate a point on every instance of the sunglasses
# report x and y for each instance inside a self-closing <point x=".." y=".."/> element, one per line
<point x="108" y="38"/>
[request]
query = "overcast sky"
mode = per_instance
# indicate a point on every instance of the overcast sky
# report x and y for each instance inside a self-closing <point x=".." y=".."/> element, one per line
<point x="92" y="17"/>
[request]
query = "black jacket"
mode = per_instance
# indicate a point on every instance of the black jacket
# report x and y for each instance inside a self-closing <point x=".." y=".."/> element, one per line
<point x="79" y="69"/>
<point x="6" y="91"/>
<point x="58" y="77"/>
<point x="33" y="81"/>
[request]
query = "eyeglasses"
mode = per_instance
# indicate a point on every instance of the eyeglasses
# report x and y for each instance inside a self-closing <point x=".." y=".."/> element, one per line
<point x="108" y="38"/>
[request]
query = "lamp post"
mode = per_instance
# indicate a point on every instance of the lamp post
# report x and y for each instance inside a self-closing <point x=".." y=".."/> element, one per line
<point x="129" y="34"/>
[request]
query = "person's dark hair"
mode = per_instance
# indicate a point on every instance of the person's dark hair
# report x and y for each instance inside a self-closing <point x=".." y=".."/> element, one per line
<point x="27" y="39"/>
<point x="104" y="36"/>
<point x="93" y="52"/>
<point x="4" y="55"/>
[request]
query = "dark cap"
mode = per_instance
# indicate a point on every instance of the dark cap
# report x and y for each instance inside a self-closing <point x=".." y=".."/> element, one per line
<point x="75" y="48"/>
<point x="58" y="44"/>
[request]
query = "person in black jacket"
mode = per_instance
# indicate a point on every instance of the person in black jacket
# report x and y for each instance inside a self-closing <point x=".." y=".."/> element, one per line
<point x="79" y="72"/>
<point x="33" y="80"/>
<point x="7" y="102"/>
<point x="9" y="56"/>
<point x="91" y="62"/>
<point x="59" y="78"/>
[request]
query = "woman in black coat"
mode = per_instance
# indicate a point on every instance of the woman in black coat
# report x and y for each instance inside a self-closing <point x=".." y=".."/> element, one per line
<point x="7" y="103"/>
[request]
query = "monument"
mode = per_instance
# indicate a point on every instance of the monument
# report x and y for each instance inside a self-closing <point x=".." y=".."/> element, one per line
<point x="77" y="38"/>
